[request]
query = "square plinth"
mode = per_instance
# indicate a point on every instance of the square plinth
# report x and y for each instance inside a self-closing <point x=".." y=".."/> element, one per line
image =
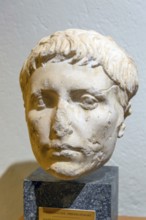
<point x="98" y="191"/>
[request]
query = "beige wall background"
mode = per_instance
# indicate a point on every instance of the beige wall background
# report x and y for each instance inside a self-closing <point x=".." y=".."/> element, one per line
<point x="22" y="24"/>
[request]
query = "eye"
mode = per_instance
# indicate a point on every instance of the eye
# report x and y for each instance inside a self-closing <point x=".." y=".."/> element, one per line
<point x="46" y="99"/>
<point x="49" y="98"/>
<point x="88" y="102"/>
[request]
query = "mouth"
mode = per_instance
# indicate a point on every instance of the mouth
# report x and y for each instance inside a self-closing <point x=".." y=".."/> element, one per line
<point x="65" y="148"/>
<point x="60" y="147"/>
<point x="71" y="154"/>
<point x="65" y="151"/>
<point x="57" y="149"/>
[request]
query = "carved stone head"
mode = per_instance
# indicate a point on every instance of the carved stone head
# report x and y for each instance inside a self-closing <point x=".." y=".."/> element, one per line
<point x="76" y="87"/>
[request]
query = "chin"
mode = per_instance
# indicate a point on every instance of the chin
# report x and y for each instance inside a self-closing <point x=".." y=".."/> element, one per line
<point x="66" y="170"/>
<point x="71" y="170"/>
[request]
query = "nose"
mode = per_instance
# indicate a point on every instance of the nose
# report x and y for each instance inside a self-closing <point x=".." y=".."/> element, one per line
<point x="61" y="123"/>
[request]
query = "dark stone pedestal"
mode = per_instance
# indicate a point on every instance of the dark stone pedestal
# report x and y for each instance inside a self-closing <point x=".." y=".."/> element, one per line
<point x="97" y="191"/>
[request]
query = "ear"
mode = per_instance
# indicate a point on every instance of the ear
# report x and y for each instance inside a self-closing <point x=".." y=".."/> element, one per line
<point x="128" y="110"/>
<point x="121" y="130"/>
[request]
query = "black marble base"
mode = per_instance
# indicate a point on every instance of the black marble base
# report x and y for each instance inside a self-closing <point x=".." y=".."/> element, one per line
<point x="97" y="191"/>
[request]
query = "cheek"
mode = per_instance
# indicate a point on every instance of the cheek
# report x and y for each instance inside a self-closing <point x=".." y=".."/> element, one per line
<point x="101" y="122"/>
<point x="38" y="125"/>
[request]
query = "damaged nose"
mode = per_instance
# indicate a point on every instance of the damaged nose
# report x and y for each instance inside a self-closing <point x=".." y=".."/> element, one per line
<point x="61" y="125"/>
<point x="62" y="130"/>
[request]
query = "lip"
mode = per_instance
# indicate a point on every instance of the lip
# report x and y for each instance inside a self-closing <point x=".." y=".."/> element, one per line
<point x="64" y="152"/>
<point x="61" y="147"/>
<point x="57" y="148"/>
<point x="68" y="155"/>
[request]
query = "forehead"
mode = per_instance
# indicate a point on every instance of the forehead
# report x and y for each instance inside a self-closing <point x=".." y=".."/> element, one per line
<point x="62" y="75"/>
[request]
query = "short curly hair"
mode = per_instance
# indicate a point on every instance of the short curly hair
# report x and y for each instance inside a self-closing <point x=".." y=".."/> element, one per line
<point x="83" y="47"/>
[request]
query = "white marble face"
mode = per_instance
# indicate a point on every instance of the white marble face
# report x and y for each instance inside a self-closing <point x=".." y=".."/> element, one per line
<point x="73" y="117"/>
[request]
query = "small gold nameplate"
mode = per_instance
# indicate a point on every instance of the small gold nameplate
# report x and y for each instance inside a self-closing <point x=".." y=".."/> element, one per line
<point x="65" y="214"/>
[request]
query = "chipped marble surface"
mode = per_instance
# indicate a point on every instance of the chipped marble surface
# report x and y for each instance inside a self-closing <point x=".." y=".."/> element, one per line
<point x="77" y="87"/>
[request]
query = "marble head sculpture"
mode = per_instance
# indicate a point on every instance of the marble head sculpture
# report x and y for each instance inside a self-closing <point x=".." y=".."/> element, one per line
<point x="76" y="87"/>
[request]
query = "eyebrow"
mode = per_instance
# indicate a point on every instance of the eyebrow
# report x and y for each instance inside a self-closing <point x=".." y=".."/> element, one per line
<point x="41" y="92"/>
<point x="99" y="93"/>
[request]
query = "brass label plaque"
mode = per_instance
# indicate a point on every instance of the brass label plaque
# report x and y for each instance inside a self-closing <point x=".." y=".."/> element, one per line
<point x="65" y="214"/>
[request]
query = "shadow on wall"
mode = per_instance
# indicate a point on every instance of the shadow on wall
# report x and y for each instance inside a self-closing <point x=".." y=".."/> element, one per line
<point x="11" y="189"/>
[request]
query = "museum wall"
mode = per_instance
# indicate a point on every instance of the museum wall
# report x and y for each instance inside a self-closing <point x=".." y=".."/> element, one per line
<point x="22" y="24"/>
